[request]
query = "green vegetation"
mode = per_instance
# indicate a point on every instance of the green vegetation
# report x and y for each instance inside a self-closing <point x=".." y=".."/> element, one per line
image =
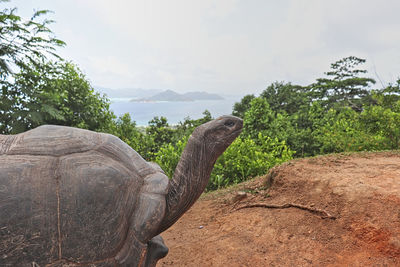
<point x="37" y="86"/>
<point x="342" y="112"/>
<point x="335" y="114"/>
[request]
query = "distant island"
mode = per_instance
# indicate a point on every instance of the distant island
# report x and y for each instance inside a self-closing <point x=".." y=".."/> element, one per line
<point x="171" y="96"/>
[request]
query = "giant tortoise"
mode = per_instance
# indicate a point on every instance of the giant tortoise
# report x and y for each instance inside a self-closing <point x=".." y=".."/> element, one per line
<point x="72" y="197"/>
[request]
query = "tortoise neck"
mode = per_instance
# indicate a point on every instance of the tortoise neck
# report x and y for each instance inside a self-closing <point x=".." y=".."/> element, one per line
<point x="189" y="181"/>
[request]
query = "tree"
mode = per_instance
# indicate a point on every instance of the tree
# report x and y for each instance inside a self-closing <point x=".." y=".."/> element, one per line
<point x="344" y="87"/>
<point x="383" y="122"/>
<point x="24" y="42"/>
<point x="186" y="127"/>
<point x="35" y="90"/>
<point x="240" y="108"/>
<point x="125" y="128"/>
<point x="285" y="97"/>
<point x="257" y="118"/>
<point x="52" y="93"/>
<point x="388" y="96"/>
<point x="159" y="132"/>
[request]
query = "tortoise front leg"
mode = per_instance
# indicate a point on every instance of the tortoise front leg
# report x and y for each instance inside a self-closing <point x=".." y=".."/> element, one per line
<point x="144" y="225"/>
<point x="156" y="250"/>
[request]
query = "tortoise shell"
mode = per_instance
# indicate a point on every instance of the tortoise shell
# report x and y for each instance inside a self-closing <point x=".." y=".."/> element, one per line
<point x="72" y="196"/>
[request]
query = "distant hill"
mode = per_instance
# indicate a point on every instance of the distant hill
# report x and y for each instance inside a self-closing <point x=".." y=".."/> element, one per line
<point x="139" y="94"/>
<point x="170" y="95"/>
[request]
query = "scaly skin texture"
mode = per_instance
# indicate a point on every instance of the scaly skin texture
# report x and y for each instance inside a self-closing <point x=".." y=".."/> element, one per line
<point x="205" y="145"/>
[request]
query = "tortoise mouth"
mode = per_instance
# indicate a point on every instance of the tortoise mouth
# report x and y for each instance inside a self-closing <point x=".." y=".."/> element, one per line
<point x="236" y="132"/>
<point x="230" y="137"/>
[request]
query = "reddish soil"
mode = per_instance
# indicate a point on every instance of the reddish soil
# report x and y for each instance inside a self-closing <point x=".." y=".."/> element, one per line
<point x="362" y="192"/>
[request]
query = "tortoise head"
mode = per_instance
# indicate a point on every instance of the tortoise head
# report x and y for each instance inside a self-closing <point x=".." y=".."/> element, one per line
<point x="218" y="134"/>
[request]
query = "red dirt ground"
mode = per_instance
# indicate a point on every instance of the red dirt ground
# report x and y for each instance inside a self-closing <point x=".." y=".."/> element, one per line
<point x="362" y="192"/>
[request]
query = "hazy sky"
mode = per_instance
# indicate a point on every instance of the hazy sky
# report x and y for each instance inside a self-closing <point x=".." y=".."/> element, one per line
<point x="225" y="46"/>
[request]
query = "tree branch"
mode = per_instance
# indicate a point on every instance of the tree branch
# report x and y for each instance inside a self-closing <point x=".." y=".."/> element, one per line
<point x="324" y="214"/>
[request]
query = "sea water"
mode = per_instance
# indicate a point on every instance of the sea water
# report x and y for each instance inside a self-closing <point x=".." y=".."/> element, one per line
<point x="143" y="112"/>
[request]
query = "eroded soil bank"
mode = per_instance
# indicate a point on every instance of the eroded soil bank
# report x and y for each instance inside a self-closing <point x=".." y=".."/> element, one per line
<point x="359" y="192"/>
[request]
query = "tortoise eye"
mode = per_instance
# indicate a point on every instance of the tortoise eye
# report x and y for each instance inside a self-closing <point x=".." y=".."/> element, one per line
<point x="229" y="123"/>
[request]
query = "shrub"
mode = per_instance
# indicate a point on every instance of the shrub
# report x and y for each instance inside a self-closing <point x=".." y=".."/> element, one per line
<point x="168" y="156"/>
<point x="244" y="158"/>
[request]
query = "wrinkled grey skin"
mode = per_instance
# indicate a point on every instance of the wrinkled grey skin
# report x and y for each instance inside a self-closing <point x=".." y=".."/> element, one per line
<point x="72" y="197"/>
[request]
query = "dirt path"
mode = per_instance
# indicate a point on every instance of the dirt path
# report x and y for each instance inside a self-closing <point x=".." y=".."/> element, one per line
<point x="362" y="192"/>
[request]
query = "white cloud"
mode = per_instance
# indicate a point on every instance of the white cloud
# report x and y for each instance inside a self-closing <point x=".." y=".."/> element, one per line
<point x="225" y="45"/>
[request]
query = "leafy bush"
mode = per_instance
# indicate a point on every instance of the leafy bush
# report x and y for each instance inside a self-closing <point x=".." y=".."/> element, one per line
<point x="246" y="158"/>
<point x="243" y="159"/>
<point x="125" y="128"/>
<point x="168" y="156"/>
<point x="383" y="122"/>
<point x="344" y="132"/>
